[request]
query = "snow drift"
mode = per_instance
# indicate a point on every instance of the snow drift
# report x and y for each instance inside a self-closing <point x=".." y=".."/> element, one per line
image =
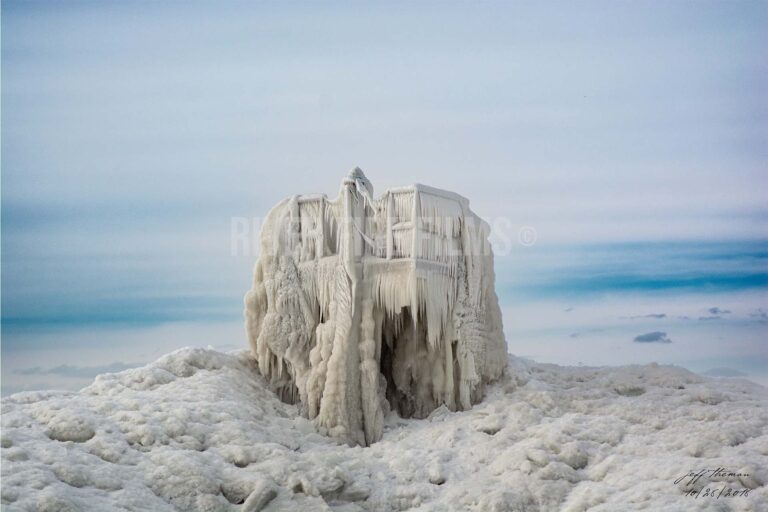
<point x="199" y="430"/>
<point x="360" y="305"/>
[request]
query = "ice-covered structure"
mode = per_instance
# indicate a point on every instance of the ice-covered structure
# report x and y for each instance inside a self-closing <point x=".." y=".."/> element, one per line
<point x="363" y="304"/>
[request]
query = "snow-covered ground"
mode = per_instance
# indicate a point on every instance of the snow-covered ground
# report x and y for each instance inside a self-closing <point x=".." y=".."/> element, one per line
<point x="199" y="430"/>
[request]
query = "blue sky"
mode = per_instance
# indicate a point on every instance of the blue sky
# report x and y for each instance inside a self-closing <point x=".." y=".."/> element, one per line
<point x="632" y="136"/>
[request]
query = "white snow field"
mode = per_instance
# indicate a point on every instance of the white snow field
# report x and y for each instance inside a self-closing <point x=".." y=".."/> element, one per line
<point x="200" y="430"/>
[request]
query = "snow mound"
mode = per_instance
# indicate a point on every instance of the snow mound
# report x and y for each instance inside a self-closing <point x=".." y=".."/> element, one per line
<point x="200" y="430"/>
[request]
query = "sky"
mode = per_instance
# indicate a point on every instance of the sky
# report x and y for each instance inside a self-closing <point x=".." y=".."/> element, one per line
<point x="139" y="137"/>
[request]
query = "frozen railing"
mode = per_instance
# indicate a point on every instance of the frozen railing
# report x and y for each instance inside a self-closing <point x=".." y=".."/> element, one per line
<point x="422" y="223"/>
<point x="414" y="222"/>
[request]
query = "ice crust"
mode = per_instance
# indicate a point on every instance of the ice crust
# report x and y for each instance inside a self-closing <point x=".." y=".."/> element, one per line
<point x="200" y="430"/>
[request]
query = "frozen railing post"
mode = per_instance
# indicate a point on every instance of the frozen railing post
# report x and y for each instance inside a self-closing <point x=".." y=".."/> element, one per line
<point x="362" y="305"/>
<point x="390" y="207"/>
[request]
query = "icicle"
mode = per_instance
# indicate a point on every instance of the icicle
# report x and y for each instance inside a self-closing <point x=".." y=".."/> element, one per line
<point x="343" y="285"/>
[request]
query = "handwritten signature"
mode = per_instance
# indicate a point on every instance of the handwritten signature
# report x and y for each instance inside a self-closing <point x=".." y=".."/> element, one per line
<point x="692" y="477"/>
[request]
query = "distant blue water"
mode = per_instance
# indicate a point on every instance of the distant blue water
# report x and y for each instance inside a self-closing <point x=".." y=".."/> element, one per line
<point x="139" y="295"/>
<point x="563" y="304"/>
<point x="142" y="310"/>
<point x="590" y="303"/>
<point x="658" y="267"/>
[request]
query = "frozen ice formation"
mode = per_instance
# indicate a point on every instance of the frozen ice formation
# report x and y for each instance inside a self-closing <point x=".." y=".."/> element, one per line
<point x="199" y="430"/>
<point x="361" y="305"/>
